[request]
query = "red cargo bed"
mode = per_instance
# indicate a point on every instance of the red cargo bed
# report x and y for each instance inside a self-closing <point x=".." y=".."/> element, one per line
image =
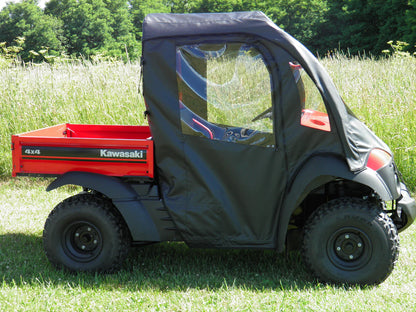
<point x="109" y="150"/>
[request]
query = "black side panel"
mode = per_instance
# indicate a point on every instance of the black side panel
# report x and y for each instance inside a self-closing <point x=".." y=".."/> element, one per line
<point x="233" y="199"/>
<point x="124" y="197"/>
<point x="219" y="194"/>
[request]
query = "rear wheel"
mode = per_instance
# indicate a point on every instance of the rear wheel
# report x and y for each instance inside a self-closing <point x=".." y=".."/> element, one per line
<point x="84" y="233"/>
<point x="350" y="240"/>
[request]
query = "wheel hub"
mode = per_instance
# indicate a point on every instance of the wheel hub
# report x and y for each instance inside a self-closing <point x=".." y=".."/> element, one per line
<point x="82" y="241"/>
<point x="349" y="246"/>
<point x="86" y="238"/>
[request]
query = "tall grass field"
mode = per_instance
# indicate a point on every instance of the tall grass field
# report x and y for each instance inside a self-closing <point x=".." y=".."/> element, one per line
<point x="381" y="93"/>
<point x="171" y="277"/>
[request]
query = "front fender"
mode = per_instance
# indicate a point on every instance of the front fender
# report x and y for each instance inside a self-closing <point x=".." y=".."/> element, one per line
<point x="124" y="198"/>
<point x="318" y="171"/>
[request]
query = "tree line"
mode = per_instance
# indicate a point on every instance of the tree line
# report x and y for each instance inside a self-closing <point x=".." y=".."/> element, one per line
<point x="113" y="28"/>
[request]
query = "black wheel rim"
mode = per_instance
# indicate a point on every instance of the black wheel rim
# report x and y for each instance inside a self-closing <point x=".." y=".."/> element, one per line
<point x="349" y="248"/>
<point x="82" y="241"/>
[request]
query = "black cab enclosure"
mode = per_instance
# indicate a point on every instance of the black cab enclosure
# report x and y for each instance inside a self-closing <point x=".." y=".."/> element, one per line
<point x="251" y="133"/>
<point x="254" y="147"/>
<point x="246" y="123"/>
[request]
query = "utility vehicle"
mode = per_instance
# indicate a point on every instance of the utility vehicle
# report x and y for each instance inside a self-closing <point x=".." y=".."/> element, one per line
<point x="249" y="145"/>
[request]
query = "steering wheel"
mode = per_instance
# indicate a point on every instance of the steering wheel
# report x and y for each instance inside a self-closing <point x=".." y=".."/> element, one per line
<point x="266" y="114"/>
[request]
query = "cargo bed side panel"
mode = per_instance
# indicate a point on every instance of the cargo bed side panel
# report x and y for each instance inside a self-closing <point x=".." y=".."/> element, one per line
<point x="57" y="150"/>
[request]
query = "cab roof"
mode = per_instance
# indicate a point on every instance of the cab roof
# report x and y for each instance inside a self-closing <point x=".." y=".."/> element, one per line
<point x="161" y="25"/>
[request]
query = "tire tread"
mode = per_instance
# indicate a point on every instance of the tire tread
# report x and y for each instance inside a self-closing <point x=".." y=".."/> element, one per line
<point x="101" y="205"/>
<point x="366" y="207"/>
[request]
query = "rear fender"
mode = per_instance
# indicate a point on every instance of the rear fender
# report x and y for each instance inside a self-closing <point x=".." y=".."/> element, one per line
<point x="318" y="171"/>
<point x="124" y="198"/>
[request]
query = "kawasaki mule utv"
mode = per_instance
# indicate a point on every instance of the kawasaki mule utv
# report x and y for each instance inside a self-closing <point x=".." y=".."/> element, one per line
<point x="249" y="145"/>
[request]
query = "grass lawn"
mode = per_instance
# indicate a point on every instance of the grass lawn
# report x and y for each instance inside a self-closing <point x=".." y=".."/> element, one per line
<point x="172" y="277"/>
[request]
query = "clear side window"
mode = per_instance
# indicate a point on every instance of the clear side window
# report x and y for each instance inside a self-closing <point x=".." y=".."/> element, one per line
<point x="225" y="93"/>
<point x="314" y="114"/>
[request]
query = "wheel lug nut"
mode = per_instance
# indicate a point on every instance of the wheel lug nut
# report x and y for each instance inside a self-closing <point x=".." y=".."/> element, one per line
<point x="359" y="244"/>
<point x="347" y="236"/>
<point x="95" y="241"/>
<point x="76" y="234"/>
<point x="83" y="247"/>
<point x="351" y="257"/>
<point x="339" y="248"/>
<point x="89" y="229"/>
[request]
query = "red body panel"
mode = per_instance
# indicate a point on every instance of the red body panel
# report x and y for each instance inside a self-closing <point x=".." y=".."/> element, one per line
<point x="109" y="150"/>
<point x="316" y="120"/>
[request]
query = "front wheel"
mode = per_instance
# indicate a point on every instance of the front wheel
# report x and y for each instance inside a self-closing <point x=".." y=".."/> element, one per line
<point x="350" y="240"/>
<point x="84" y="233"/>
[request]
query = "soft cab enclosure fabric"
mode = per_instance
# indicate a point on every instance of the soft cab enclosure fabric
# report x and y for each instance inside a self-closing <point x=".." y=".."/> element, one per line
<point x="220" y="193"/>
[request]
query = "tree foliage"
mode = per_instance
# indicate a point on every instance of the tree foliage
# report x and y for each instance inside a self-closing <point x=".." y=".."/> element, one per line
<point x="140" y="8"/>
<point x="410" y="22"/>
<point x="363" y="25"/>
<point x="27" y="20"/>
<point x="87" y="24"/>
<point x="114" y="27"/>
<point x="300" y="18"/>
<point x="123" y="30"/>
